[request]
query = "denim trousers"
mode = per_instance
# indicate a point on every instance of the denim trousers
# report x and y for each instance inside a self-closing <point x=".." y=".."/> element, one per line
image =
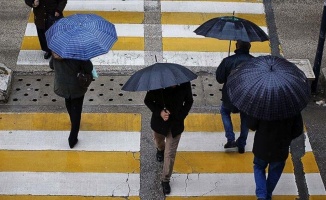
<point x="265" y="186"/>
<point x="228" y="126"/>
<point x="74" y="108"/>
<point x="170" y="145"/>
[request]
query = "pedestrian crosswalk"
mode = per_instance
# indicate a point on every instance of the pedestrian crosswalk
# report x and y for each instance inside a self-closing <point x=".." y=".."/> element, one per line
<point x="204" y="171"/>
<point x="36" y="159"/>
<point x="178" y="19"/>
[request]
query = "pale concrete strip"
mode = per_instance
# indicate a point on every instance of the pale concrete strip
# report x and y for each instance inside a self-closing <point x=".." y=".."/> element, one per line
<point x="225" y="184"/>
<point x="212" y="7"/>
<point x="307" y="143"/>
<point x="123" y="30"/>
<point x="57" y="140"/>
<point x="186" y="31"/>
<point x="208" y="141"/>
<point x="105" y="5"/>
<point x="315" y="184"/>
<point x="82" y="184"/>
<point x="113" y="17"/>
<point x="199" y="59"/>
<point x="248" y="1"/>
<point x="115" y="57"/>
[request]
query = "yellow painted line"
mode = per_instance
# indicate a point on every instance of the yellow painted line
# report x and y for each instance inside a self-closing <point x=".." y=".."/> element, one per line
<point x="209" y="45"/>
<point x="60" y="121"/>
<point x="189" y="18"/>
<point x="113" y="17"/>
<point x="309" y="163"/>
<point x="275" y="197"/>
<point x="315" y="197"/>
<point x="123" y="43"/>
<point x="208" y="122"/>
<point x="210" y="162"/>
<point x="69" y="161"/>
<point x="33" y="197"/>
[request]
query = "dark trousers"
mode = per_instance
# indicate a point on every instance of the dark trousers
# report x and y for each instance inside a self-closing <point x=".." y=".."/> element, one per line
<point x="74" y="108"/>
<point x="42" y="39"/>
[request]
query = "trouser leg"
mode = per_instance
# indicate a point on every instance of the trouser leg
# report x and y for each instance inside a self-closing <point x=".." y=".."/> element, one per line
<point x="171" y="147"/>
<point x="227" y="123"/>
<point x="42" y="39"/>
<point x="74" y="108"/>
<point x="260" y="177"/>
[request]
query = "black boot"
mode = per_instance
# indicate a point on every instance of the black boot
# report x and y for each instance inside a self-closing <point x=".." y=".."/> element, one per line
<point x="72" y="142"/>
<point x="166" y="187"/>
<point x="159" y="155"/>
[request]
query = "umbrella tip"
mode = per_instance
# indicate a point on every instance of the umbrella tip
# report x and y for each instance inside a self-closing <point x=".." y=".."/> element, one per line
<point x="155" y="58"/>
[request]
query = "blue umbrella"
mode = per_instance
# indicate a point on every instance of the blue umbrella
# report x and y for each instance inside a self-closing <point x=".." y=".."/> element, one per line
<point x="157" y="76"/>
<point x="81" y="36"/>
<point x="268" y="88"/>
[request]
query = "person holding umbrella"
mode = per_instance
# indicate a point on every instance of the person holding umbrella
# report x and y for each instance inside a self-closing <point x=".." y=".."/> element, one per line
<point x="45" y="12"/>
<point x="66" y="85"/>
<point x="222" y="72"/>
<point x="271" y="149"/>
<point x="169" y="107"/>
<point x="272" y="91"/>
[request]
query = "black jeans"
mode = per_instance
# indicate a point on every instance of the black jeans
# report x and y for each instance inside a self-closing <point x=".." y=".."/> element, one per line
<point x="42" y="39"/>
<point x="74" y="108"/>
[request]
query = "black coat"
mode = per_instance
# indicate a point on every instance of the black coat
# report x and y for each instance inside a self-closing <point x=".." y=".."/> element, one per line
<point x="224" y="69"/>
<point x="44" y="9"/>
<point x="273" y="138"/>
<point x="65" y="76"/>
<point x="177" y="100"/>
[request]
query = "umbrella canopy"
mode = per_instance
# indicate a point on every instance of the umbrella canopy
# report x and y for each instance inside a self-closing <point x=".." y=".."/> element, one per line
<point x="232" y="28"/>
<point x="81" y="36"/>
<point x="268" y="88"/>
<point x="158" y="75"/>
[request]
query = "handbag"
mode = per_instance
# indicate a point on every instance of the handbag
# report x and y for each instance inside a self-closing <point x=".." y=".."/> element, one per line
<point x="84" y="79"/>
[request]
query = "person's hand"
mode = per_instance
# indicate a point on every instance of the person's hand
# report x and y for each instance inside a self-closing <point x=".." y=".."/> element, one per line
<point x="165" y="114"/>
<point x="56" y="14"/>
<point x="36" y="3"/>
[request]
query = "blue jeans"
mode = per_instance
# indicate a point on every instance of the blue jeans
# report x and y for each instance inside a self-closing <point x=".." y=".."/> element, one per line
<point x="228" y="127"/>
<point x="265" y="187"/>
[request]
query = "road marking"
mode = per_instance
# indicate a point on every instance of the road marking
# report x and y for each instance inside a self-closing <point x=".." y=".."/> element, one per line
<point x="57" y="183"/>
<point x="212" y="7"/>
<point x="123" y="30"/>
<point x="69" y="161"/>
<point x="60" y="121"/>
<point x="35" y="57"/>
<point x="221" y="184"/>
<point x="70" y="197"/>
<point x="55" y="140"/>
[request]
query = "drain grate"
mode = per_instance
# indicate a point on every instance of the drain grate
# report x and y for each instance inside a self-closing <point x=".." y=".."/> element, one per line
<point x="106" y="90"/>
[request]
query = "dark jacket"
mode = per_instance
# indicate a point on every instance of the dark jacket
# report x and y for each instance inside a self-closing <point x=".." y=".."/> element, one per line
<point x="273" y="138"/>
<point x="177" y="100"/>
<point x="224" y="70"/>
<point x="44" y="9"/>
<point x="65" y="76"/>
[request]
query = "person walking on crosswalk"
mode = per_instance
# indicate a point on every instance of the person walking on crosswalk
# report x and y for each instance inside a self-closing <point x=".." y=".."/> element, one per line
<point x="169" y="107"/>
<point x="222" y="72"/>
<point x="45" y="13"/>
<point x="66" y="85"/>
<point x="271" y="148"/>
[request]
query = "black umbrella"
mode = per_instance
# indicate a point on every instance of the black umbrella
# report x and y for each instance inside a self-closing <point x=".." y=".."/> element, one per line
<point x="158" y="75"/>
<point x="232" y="28"/>
<point x="268" y="88"/>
